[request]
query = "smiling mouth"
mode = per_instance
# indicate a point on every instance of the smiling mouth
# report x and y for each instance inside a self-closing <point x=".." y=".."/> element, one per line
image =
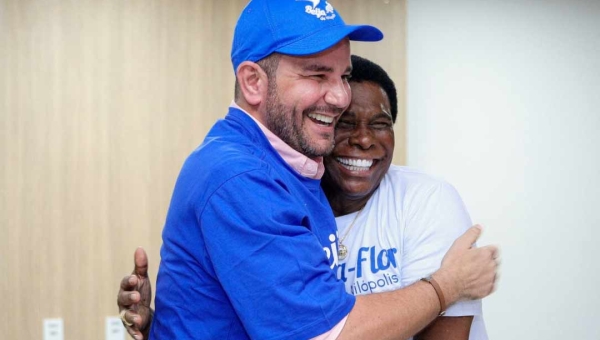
<point x="354" y="164"/>
<point x="320" y="119"/>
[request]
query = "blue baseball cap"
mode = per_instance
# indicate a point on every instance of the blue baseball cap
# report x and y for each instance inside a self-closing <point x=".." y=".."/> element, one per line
<point x="292" y="27"/>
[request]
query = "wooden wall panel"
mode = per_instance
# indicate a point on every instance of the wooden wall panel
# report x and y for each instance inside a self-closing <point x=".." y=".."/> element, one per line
<point x="100" y="103"/>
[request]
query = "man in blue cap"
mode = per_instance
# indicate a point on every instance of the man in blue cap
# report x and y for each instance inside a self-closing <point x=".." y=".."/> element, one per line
<point x="250" y="242"/>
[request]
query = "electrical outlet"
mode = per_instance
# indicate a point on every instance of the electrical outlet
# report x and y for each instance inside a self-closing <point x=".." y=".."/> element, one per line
<point x="114" y="328"/>
<point x="54" y="329"/>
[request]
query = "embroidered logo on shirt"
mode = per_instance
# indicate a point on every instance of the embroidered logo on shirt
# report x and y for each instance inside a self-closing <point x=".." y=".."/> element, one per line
<point x="321" y="14"/>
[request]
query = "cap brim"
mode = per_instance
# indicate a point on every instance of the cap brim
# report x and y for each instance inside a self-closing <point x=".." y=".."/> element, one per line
<point x="324" y="39"/>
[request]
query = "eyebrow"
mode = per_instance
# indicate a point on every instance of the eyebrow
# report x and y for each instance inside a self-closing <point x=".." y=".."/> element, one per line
<point x="381" y="114"/>
<point x="323" y="68"/>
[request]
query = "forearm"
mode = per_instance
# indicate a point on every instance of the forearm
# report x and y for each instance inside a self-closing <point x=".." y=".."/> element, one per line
<point x="397" y="314"/>
<point x="447" y="328"/>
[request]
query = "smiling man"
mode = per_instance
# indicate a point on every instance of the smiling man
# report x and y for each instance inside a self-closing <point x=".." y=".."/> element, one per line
<point x="242" y="253"/>
<point x="395" y="223"/>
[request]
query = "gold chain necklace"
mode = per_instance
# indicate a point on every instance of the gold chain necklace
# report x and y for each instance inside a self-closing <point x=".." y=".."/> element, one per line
<point x="343" y="250"/>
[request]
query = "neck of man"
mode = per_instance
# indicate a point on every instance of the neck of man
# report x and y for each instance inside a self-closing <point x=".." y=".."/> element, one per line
<point x="340" y="202"/>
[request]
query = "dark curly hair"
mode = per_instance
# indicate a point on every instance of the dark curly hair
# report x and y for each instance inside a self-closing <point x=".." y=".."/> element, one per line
<point x="366" y="70"/>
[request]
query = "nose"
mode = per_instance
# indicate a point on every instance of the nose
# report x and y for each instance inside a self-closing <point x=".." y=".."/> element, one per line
<point x="338" y="94"/>
<point x="361" y="137"/>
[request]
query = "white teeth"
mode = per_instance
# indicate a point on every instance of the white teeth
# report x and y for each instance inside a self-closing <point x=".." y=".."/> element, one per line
<point x="354" y="164"/>
<point x="321" y="118"/>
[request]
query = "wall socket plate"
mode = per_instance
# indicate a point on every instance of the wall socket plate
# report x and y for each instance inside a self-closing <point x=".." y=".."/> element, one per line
<point x="54" y="329"/>
<point x="114" y="328"/>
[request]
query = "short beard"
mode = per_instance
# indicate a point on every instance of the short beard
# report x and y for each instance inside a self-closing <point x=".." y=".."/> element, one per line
<point x="283" y="123"/>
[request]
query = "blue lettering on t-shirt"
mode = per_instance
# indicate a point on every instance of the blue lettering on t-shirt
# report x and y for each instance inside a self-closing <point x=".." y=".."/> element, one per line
<point x="385" y="253"/>
<point x="369" y="257"/>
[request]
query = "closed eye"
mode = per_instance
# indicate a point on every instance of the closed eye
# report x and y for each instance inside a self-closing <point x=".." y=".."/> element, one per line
<point x="317" y="76"/>
<point x="381" y="125"/>
<point x="345" y="124"/>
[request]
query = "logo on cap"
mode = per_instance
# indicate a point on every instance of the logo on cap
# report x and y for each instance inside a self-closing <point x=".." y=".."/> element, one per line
<point x="327" y="14"/>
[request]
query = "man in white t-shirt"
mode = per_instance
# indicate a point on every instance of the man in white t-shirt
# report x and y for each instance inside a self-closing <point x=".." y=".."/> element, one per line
<point x="395" y="224"/>
<point x="401" y="235"/>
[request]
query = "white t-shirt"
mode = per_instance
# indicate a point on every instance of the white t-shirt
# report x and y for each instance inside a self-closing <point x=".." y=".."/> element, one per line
<point x="402" y="235"/>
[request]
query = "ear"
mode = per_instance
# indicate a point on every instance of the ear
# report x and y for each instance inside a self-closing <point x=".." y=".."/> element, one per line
<point x="253" y="82"/>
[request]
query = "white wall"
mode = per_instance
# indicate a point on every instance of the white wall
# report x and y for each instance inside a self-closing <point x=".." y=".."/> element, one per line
<point x="504" y="102"/>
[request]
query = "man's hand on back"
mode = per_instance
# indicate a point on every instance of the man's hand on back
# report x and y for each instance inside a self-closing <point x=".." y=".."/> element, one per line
<point x="468" y="273"/>
<point x="134" y="298"/>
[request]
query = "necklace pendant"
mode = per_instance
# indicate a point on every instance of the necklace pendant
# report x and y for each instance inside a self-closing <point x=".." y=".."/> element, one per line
<point x="342" y="252"/>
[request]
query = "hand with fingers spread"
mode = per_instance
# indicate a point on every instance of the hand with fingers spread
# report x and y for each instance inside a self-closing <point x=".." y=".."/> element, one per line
<point x="468" y="272"/>
<point x="134" y="298"/>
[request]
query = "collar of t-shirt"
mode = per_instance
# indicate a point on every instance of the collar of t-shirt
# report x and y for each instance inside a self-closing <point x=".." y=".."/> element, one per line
<point x="307" y="167"/>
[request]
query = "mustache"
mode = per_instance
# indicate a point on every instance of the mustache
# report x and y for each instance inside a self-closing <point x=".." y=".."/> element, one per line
<point x="323" y="109"/>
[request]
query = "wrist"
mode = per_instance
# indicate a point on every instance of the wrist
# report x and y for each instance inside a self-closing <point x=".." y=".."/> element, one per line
<point x="146" y="329"/>
<point x="440" y="294"/>
<point x="449" y="286"/>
